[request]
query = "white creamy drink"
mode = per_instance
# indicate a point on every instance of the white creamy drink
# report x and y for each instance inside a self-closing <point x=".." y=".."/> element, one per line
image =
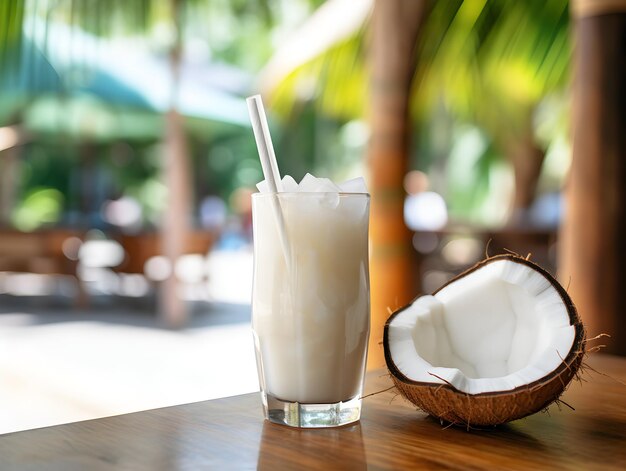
<point x="311" y="311"/>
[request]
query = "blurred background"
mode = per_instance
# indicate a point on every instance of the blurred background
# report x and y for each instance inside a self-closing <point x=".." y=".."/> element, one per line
<point x="127" y="162"/>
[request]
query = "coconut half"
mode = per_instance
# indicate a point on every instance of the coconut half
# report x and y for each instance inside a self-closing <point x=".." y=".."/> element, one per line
<point x="499" y="342"/>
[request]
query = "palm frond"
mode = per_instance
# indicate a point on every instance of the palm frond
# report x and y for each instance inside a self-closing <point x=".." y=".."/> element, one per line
<point x="490" y="59"/>
<point x="11" y="19"/>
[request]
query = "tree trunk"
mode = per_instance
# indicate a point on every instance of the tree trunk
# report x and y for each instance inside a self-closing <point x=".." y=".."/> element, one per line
<point x="9" y="179"/>
<point x="527" y="159"/>
<point x="392" y="59"/>
<point x="176" y="220"/>
<point x="592" y="250"/>
<point x="88" y="181"/>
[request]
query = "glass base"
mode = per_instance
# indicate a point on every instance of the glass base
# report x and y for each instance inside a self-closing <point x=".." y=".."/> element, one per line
<point x="295" y="414"/>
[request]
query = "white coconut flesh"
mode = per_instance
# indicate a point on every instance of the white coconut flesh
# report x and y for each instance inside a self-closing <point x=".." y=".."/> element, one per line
<point x="495" y="329"/>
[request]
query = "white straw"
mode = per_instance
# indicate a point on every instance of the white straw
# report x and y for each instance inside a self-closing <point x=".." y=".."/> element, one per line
<point x="264" y="143"/>
<point x="272" y="177"/>
<point x="269" y="166"/>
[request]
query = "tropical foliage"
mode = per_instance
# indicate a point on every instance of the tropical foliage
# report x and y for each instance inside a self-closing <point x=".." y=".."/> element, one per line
<point x="74" y="136"/>
<point x="487" y="72"/>
<point x="484" y="67"/>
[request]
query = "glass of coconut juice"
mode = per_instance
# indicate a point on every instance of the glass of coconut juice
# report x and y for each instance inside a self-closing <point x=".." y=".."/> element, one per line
<point x="310" y="306"/>
<point x="310" y="298"/>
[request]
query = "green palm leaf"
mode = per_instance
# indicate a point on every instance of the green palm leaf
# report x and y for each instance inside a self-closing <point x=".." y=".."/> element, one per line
<point x="488" y="58"/>
<point x="11" y="19"/>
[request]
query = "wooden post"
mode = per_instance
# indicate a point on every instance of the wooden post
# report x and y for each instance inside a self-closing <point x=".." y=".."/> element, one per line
<point x="176" y="220"/>
<point x="392" y="58"/>
<point x="593" y="237"/>
<point x="527" y="159"/>
<point x="9" y="173"/>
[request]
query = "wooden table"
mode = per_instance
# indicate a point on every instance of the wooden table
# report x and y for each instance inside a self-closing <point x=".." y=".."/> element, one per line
<point x="231" y="434"/>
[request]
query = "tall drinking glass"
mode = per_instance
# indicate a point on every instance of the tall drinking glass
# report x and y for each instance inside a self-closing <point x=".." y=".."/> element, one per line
<point x="310" y="305"/>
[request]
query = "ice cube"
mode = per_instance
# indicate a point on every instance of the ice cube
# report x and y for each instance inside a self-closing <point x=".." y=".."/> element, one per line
<point x="289" y="184"/>
<point x="325" y="185"/>
<point x="330" y="199"/>
<point x="263" y="187"/>
<point x="356" y="185"/>
<point x="308" y="184"/>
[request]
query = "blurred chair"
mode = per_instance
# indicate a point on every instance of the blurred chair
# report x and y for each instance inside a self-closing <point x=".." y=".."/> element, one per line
<point x="139" y="248"/>
<point x="45" y="252"/>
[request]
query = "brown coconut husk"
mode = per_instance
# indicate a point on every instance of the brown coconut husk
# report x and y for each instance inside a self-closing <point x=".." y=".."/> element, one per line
<point x="449" y="404"/>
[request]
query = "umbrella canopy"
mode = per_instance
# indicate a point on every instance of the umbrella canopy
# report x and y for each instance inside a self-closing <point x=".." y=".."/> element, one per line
<point x="66" y="60"/>
<point x="83" y="115"/>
